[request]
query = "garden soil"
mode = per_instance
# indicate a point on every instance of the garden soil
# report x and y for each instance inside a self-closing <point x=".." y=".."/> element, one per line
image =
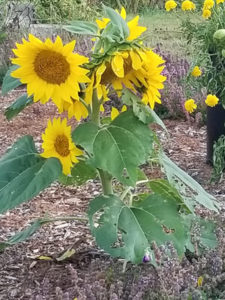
<point x="35" y="269"/>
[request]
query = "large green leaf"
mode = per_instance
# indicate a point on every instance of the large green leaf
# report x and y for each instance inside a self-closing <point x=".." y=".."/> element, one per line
<point x="24" y="173"/>
<point x="80" y="173"/>
<point x="82" y="27"/>
<point x="127" y="232"/>
<point x="117" y="20"/>
<point x="122" y="146"/>
<point x="15" y="108"/>
<point x="166" y="190"/>
<point x="191" y="191"/>
<point x="84" y="136"/>
<point x="9" y="83"/>
<point x="118" y="148"/>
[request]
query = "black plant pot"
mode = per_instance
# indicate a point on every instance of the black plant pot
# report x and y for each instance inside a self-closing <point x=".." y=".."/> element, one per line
<point x="215" y="128"/>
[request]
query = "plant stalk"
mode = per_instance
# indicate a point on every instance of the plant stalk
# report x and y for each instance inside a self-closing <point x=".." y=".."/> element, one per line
<point x="106" y="178"/>
<point x="95" y="115"/>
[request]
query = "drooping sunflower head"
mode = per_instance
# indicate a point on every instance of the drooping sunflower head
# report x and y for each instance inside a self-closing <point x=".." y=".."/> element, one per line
<point x="50" y="69"/>
<point x="57" y="142"/>
<point x="135" y="69"/>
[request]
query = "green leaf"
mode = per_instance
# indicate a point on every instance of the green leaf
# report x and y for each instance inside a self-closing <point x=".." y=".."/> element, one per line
<point x="24" y="173"/>
<point x="9" y="83"/>
<point x="208" y="237"/>
<point x="84" y="136"/>
<point x="24" y="234"/>
<point x="122" y="146"/>
<point x="117" y="20"/>
<point x="203" y="231"/>
<point x="167" y="191"/>
<point x="190" y="190"/>
<point x="82" y="27"/>
<point x="127" y="232"/>
<point x="80" y="173"/>
<point x="15" y="108"/>
<point x="143" y="112"/>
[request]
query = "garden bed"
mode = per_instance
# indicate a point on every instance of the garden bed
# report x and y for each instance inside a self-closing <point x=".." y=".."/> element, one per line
<point x="89" y="273"/>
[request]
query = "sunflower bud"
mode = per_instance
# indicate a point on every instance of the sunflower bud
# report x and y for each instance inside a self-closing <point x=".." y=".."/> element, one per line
<point x="219" y="37"/>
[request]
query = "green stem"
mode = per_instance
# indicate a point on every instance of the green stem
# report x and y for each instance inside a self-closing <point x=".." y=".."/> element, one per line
<point x="95" y="116"/>
<point x="106" y="180"/>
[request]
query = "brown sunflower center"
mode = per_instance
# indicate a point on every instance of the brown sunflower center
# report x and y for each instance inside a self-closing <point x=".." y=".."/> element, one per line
<point x="52" y="67"/>
<point x="62" y="145"/>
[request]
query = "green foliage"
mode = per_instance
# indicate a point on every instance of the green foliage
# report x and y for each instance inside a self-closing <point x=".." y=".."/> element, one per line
<point x="143" y="112"/>
<point x="86" y="28"/>
<point x="191" y="191"/>
<point x="15" y="108"/>
<point x="118" y="21"/>
<point x="127" y="232"/>
<point x="80" y="173"/>
<point x="218" y="159"/>
<point x="23" y="235"/>
<point x="25" y="173"/>
<point x="57" y="11"/>
<point x="9" y="83"/>
<point x="3" y="71"/>
<point x="135" y="6"/>
<point x="127" y="140"/>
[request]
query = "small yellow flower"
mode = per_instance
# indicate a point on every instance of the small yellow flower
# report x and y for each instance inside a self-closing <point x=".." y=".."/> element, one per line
<point x="211" y="100"/>
<point x="190" y="105"/>
<point x="208" y="4"/>
<point x="170" y="5"/>
<point x="219" y="1"/>
<point x="188" y="5"/>
<point x="206" y="13"/>
<point x="196" y="72"/>
<point x="57" y="142"/>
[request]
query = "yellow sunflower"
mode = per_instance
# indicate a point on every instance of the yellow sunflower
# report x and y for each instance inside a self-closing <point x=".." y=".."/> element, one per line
<point x="134" y="29"/>
<point x="134" y="69"/>
<point x="50" y="69"/>
<point x="57" y="142"/>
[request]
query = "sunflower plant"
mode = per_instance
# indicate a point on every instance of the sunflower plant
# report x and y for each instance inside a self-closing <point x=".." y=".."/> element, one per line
<point x="134" y="209"/>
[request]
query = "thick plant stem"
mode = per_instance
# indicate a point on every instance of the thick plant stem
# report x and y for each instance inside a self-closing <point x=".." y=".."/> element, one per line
<point x="95" y="116"/>
<point x="106" y="180"/>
